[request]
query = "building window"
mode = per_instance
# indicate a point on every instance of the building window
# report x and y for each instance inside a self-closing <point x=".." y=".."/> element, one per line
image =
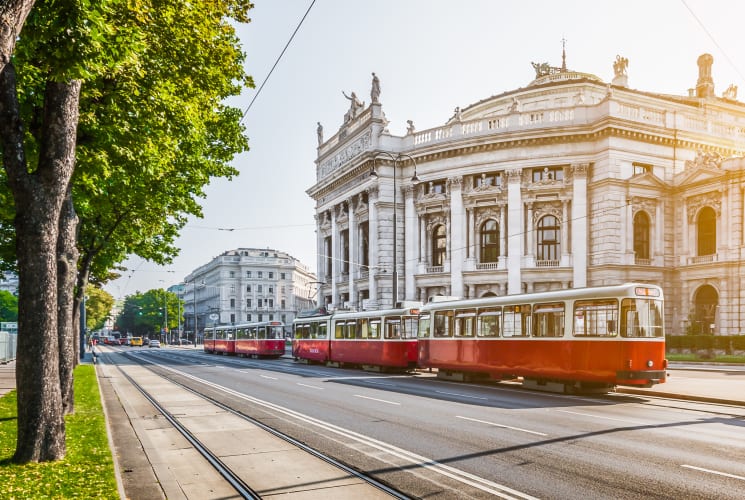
<point x="271" y="317"/>
<point x="261" y="317"/>
<point x="436" y="187"/>
<point x="271" y="275"/>
<point x="344" y="237"/>
<point x="232" y="303"/>
<point x="641" y="168"/>
<point x="248" y="317"/>
<point x="232" y="274"/>
<point x="548" y="174"/>
<point x="641" y="235"/>
<point x="439" y="242"/>
<point x="283" y="318"/>
<point x="271" y="302"/>
<point x="489" y="241"/>
<point x="282" y="304"/>
<point x="271" y="289"/>
<point x="261" y="274"/>
<point x="232" y="318"/>
<point x="248" y="288"/>
<point x="259" y="288"/>
<point x="707" y="231"/>
<point x="248" y="274"/>
<point x="549" y="234"/>
<point x="248" y="303"/>
<point x="365" y="244"/>
<point x="281" y="276"/>
<point x="232" y="288"/>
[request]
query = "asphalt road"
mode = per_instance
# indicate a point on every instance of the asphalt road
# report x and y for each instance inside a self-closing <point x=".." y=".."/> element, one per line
<point x="438" y="439"/>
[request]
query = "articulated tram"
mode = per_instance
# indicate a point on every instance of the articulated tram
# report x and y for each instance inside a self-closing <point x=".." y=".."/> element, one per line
<point x="260" y="339"/>
<point x="576" y="339"/>
<point x="374" y="340"/>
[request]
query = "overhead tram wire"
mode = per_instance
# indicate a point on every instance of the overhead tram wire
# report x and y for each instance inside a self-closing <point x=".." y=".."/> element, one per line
<point x="277" y="61"/>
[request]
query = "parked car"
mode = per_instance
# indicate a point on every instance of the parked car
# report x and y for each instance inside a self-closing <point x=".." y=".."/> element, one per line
<point x="154" y="343"/>
<point x="145" y="341"/>
<point x="136" y="341"/>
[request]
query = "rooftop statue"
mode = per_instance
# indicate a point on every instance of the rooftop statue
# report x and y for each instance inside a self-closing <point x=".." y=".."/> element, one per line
<point x="541" y="69"/>
<point x="375" y="89"/>
<point x="620" y="65"/>
<point x="355" y="105"/>
<point x="319" y="132"/>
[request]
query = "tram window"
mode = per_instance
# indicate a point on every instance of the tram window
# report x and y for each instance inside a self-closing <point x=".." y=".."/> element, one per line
<point x="361" y="332"/>
<point x="410" y="328"/>
<point x="252" y="332"/>
<point x="350" y="329"/>
<point x="339" y="330"/>
<point x="375" y="328"/>
<point x="423" y="328"/>
<point x="464" y="323"/>
<point x="262" y="332"/>
<point x="641" y="318"/>
<point x="548" y="320"/>
<point x="443" y="324"/>
<point x="322" y="330"/>
<point x="516" y="321"/>
<point x="393" y="328"/>
<point x="596" y="318"/>
<point x="490" y="321"/>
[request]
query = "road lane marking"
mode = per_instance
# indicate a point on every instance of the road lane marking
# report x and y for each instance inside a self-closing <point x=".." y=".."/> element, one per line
<point x="604" y="418"/>
<point x="381" y="383"/>
<point x="502" y="425"/>
<point x="459" y="395"/>
<point x="270" y="378"/>
<point x="741" y="478"/>
<point x="376" y="399"/>
<point x="311" y="386"/>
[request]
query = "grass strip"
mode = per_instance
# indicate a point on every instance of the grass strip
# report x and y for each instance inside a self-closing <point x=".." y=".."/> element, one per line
<point x="87" y="471"/>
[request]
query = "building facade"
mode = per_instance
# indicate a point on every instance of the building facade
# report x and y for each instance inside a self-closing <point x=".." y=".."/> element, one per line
<point x="247" y="285"/>
<point x="569" y="181"/>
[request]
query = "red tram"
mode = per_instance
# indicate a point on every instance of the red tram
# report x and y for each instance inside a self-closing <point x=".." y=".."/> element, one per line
<point x="260" y="339"/>
<point x="374" y="340"/>
<point x="586" y="339"/>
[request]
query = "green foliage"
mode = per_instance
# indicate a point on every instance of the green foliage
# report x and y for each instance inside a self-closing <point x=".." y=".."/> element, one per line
<point x="88" y="469"/>
<point x="97" y="307"/>
<point x="8" y="306"/>
<point x="143" y="313"/>
<point x="701" y="342"/>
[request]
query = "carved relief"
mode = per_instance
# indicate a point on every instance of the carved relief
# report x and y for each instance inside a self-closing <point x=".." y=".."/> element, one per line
<point x="696" y="203"/>
<point x="547" y="208"/>
<point x="580" y="169"/>
<point x="343" y="156"/>
<point x="486" y="214"/>
<point x="433" y="222"/>
<point x="514" y="174"/>
<point x="639" y="204"/>
<point x="454" y="182"/>
<point x="704" y="159"/>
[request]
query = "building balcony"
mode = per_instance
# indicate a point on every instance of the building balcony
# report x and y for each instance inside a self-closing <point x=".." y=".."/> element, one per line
<point x="703" y="259"/>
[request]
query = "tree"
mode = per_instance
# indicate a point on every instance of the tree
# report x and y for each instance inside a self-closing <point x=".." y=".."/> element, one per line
<point x="98" y="304"/>
<point x="137" y="134"/>
<point x="143" y="314"/>
<point x="8" y="306"/>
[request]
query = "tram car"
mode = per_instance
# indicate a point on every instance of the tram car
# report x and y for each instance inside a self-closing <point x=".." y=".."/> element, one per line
<point x="219" y="339"/>
<point x="373" y="340"/>
<point x="588" y="339"/>
<point x="259" y="340"/>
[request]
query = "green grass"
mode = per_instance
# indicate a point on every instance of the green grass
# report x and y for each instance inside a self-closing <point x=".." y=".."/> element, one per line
<point x="716" y="359"/>
<point x="88" y="469"/>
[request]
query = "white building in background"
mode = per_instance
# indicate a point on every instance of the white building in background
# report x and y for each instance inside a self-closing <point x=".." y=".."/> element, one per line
<point x="246" y="285"/>
<point x="570" y="181"/>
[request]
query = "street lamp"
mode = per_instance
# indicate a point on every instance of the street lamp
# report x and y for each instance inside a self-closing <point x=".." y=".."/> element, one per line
<point x="414" y="180"/>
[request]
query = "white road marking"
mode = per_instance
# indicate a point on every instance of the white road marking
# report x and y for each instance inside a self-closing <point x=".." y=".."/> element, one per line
<point x="604" y="418"/>
<point x="270" y="378"/>
<point x="741" y="478"/>
<point x="459" y="395"/>
<point x="379" y="400"/>
<point x="311" y="386"/>
<point x="501" y="425"/>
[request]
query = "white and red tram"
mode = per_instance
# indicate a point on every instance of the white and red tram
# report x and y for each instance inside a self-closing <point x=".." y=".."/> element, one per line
<point x="370" y="339"/>
<point x="259" y="339"/>
<point x="587" y="338"/>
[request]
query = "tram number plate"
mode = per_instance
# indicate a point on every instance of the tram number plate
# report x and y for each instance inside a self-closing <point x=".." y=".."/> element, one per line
<point x="314" y="351"/>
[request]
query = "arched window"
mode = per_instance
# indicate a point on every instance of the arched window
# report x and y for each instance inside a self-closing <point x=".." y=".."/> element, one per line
<point x="439" y="241"/>
<point x="489" y="241"/>
<point x="707" y="231"/>
<point x="705" y="305"/>
<point x="549" y="238"/>
<point x="641" y="235"/>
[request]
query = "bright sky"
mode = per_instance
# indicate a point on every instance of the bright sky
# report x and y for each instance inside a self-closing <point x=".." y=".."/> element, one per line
<point x="430" y="56"/>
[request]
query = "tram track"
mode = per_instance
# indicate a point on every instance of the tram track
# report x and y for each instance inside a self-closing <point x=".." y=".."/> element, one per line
<point x="231" y="476"/>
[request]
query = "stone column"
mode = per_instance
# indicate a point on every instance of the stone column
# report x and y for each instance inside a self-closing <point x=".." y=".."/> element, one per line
<point x="320" y="262"/>
<point x="334" y="258"/>
<point x="457" y="235"/>
<point x="353" y="260"/>
<point x="659" y="234"/>
<point x="565" y="246"/>
<point x="372" y="198"/>
<point x="516" y="226"/>
<point x="530" y="233"/>
<point x="579" y="224"/>
<point x="411" y="243"/>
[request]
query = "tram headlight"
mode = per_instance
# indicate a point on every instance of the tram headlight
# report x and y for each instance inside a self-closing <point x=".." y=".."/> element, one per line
<point x="650" y="363"/>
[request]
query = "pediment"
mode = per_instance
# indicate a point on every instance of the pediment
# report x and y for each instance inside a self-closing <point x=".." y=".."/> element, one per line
<point x="647" y="179"/>
<point x="697" y="176"/>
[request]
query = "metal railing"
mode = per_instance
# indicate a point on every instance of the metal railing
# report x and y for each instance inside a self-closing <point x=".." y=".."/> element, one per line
<point x="8" y="344"/>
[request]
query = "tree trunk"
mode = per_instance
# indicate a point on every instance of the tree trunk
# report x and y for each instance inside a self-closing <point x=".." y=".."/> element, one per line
<point x="38" y="197"/>
<point x="13" y="14"/>
<point x="67" y="258"/>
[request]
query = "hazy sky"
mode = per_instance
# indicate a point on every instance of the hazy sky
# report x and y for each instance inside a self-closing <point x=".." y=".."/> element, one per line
<point x="430" y="56"/>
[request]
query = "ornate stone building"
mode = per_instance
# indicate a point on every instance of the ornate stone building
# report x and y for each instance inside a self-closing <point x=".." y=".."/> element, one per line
<point x="569" y="181"/>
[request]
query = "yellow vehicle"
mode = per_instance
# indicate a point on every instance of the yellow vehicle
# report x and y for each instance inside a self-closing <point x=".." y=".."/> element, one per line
<point x="136" y="341"/>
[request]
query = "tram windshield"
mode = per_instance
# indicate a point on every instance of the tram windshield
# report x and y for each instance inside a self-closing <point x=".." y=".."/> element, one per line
<point x="641" y="318"/>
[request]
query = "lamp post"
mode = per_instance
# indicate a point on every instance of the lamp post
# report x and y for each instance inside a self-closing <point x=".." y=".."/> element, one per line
<point x="414" y="179"/>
